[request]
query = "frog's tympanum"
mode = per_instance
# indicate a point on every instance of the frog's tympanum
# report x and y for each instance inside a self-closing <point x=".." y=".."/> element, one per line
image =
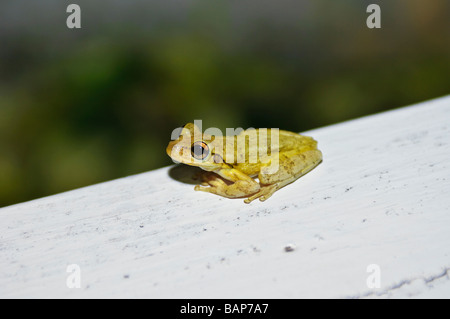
<point x="232" y="163"/>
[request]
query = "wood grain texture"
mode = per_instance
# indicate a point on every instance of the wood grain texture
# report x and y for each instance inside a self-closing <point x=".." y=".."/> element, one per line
<point x="380" y="197"/>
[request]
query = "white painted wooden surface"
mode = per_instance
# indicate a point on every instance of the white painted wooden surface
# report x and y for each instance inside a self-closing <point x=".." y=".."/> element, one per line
<point x="381" y="197"/>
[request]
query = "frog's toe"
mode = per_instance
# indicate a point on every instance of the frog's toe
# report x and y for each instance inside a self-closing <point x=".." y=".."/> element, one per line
<point x="265" y="197"/>
<point x="201" y="188"/>
<point x="263" y="194"/>
<point x="253" y="197"/>
<point x="249" y="200"/>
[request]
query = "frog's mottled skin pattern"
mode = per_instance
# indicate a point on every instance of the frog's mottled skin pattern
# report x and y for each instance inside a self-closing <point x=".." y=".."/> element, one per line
<point x="231" y="169"/>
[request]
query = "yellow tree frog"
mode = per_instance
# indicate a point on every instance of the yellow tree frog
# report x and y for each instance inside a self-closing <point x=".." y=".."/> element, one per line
<point x="232" y="163"/>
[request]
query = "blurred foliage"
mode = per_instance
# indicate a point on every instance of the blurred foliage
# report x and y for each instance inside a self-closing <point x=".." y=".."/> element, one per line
<point x="79" y="107"/>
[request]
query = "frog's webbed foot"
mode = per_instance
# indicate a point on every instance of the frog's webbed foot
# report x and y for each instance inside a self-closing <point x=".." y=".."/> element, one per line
<point x="264" y="193"/>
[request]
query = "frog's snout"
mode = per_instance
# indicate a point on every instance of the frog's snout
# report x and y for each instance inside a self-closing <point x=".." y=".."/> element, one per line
<point x="175" y="150"/>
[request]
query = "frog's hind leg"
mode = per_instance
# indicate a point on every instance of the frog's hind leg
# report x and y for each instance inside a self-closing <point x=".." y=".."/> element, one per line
<point x="286" y="173"/>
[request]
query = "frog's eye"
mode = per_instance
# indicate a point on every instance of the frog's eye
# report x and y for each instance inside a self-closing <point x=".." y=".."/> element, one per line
<point x="200" y="150"/>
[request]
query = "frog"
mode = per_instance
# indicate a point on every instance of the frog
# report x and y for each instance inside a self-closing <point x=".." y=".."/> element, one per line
<point x="243" y="165"/>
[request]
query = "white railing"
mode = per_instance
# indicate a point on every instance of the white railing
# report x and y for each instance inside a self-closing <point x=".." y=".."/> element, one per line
<point x="373" y="220"/>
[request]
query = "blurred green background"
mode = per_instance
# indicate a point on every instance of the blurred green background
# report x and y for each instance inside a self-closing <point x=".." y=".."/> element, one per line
<point x="83" y="106"/>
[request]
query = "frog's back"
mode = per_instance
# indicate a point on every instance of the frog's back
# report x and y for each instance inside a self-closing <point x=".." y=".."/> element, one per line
<point x="293" y="141"/>
<point x="257" y="154"/>
<point x="286" y="141"/>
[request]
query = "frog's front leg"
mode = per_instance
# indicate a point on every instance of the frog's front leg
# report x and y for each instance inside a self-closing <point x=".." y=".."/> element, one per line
<point x="242" y="185"/>
<point x="209" y="179"/>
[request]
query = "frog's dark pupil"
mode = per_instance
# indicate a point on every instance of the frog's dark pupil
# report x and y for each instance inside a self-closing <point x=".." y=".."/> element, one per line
<point x="199" y="151"/>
